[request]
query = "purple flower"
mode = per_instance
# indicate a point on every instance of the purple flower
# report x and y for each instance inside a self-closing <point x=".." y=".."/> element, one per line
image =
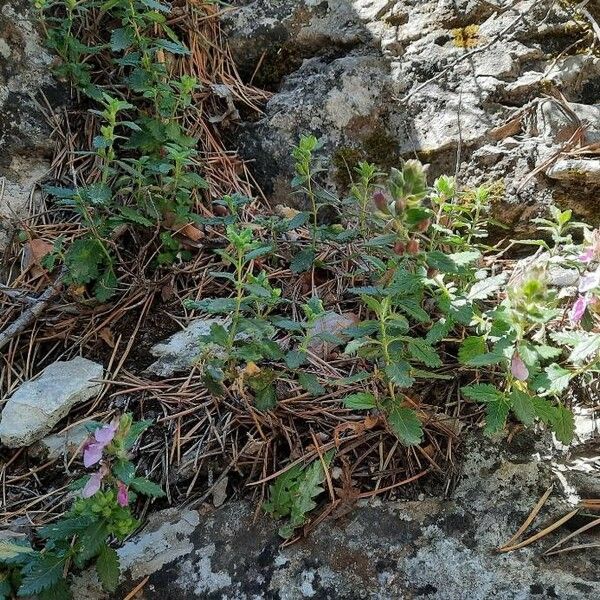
<point x="578" y="309"/>
<point x="588" y="255"/>
<point x="92" y="453"/>
<point x="122" y="495"/>
<point x="518" y="368"/>
<point x="92" y="450"/>
<point x="93" y="483"/>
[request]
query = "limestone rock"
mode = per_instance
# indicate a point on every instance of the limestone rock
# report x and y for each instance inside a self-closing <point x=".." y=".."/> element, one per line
<point x="179" y="353"/>
<point x="63" y="445"/>
<point x="39" y="404"/>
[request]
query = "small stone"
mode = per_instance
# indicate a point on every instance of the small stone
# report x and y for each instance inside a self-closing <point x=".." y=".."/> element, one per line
<point x="179" y="352"/>
<point x="63" y="444"/>
<point x="38" y="405"/>
<point x="219" y="492"/>
<point x="331" y="323"/>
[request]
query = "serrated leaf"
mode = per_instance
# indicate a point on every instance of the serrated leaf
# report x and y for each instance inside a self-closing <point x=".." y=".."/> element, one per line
<point x="172" y="47"/>
<point x="295" y="359"/>
<point x="442" y="262"/>
<point x="258" y="252"/>
<point x="495" y="414"/>
<point x="287" y="324"/>
<point x="90" y="540"/>
<point x="10" y="550"/>
<point x="41" y="574"/>
<point x="399" y="374"/>
<point x="107" y="567"/>
<point x="310" y="383"/>
<point x="421" y="351"/>
<point x="558" y="379"/>
<point x="472" y="347"/>
<point x="523" y="407"/>
<point x="406" y="426"/>
<point x="135" y="431"/>
<point x="303" y="261"/>
<point x="64" y="528"/>
<point x="481" y="392"/>
<point x="544" y="411"/>
<point x="124" y="470"/>
<point x="547" y="352"/>
<point x="465" y="258"/>
<point x="439" y="331"/>
<point x="563" y="424"/>
<point x="483" y="289"/>
<point x="413" y="309"/>
<point x="121" y="38"/>
<point x="266" y="398"/>
<point x="360" y="401"/>
<point x="146" y="487"/>
<point x="585" y="349"/>
<point x="135" y="216"/>
<point x="83" y="260"/>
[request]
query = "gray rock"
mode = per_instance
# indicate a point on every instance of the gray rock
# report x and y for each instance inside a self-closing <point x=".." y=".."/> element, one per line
<point x="39" y="404"/>
<point x="25" y="147"/>
<point x="63" y="445"/>
<point x="576" y="170"/>
<point x="179" y="353"/>
<point x="436" y="548"/>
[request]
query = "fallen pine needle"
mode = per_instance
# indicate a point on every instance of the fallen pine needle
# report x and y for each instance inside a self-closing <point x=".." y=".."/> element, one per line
<point x="137" y="588"/>
<point x="587" y="526"/>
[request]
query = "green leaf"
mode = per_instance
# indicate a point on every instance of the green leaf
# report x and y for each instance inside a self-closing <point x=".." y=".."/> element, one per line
<point x="303" y="261"/>
<point x="83" y="260"/>
<point x="483" y="289"/>
<point x="442" y="262"/>
<point x="10" y="550"/>
<point x="90" y="541"/>
<point x="563" y="424"/>
<point x="547" y="352"/>
<point x="135" y="216"/>
<point x="585" y="349"/>
<point x="399" y="374"/>
<point x="266" y="398"/>
<point x="258" y="252"/>
<point x="310" y="383"/>
<point x="406" y="425"/>
<point x="413" y="309"/>
<point x="472" y="347"/>
<point x="146" y="487"/>
<point x="295" y="359"/>
<point x="64" y="528"/>
<point x="155" y="5"/>
<point x="523" y="407"/>
<point x="405" y="282"/>
<point x="124" y="470"/>
<point x="360" y="401"/>
<point x="421" y="351"/>
<point x="287" y="324"/>
<point x="214" y="306"/>
<point x="496" y="414"/>
<point x="172" y="47"/>
<point x="107" y="567"/>
<point x="557" y="379"/>
<point x="482" y="392"/>
<point x="59" y="591"/>
<point x="46" y="570"/>
<point x="120" y="39"/>
<point x="135" y="431"/>
<point x="439" y="330"/>
<point x="544" y="411"/>
<point x="98" y="194"/>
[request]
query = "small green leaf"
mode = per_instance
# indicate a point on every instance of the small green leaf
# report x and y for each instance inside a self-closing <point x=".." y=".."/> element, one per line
<point x="421" y="351"/>
<point x="146" y="487"/>
<point x="472" y="347"/>
<point x="303" y="261"/>
<point x="310" y="383"/>
<point x="482" y="392"/>
<point x="120" y="39"/>
<point x="266" y="398"/>
<point x="107" y="567"/>
<point x="563" y="424"/>
<point x="399" y="374"/>
<point x="360" y="401"/>
<point x="124" y="470"/>
<point x="585" y="349"/>
<point x="406" y="425"/>
<point x="295" y="359"/>
<point x="483" y="289"/>
<point x="413" y="309"/>
<point x="46" y="570"/>
<point x="523" y="407"/>
<point x="496" y="414"/>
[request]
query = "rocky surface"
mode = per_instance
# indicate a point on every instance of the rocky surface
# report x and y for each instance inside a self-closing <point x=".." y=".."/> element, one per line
<point x="39" y="404"/>
<point x="464" y="79"/>
<point x="432" y="548"/>
<point x="25" y="85"/>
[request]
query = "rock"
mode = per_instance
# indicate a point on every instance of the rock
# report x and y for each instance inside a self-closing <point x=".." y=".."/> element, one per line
<point x="576" y="170"/>
<point x="25" y="147"/>
<point x="39" y="404"/>
<point x="436" y="548"/>
<point x="62" y="445"/>
<point x="378" y="80"/>
<point x="330" y="323"/>
<point x="179" y="353"/>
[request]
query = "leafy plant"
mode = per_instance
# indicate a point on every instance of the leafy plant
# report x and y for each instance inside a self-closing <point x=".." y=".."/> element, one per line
<point x="101" y="514"/>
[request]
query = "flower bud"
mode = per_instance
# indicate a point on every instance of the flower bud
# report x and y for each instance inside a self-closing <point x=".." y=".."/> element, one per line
<point x="380" y="201"/>
<point x="400" y="206"/>
<point x="413" y="246"/>
<point x="431" y="272"/>
<point x="399" y="248"/>
<point x="423" y="226"/>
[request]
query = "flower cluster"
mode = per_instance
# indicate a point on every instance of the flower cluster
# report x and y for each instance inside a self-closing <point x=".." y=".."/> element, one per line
<point x="589" y="283"/>
<point x="93" y="453"/>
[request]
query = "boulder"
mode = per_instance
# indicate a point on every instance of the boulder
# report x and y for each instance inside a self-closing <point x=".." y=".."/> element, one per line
<point x="39" y="404"/>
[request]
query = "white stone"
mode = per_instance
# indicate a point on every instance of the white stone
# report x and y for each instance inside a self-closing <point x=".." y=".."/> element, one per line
<point x="39" y="404"/>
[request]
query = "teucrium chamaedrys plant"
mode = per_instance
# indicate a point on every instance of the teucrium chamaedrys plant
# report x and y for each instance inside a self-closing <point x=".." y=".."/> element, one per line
<point x="101" y="514"/>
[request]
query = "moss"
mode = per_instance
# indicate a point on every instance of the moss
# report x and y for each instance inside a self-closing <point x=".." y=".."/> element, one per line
<point x="466" y="37"/>
<point x="344" y="160"/>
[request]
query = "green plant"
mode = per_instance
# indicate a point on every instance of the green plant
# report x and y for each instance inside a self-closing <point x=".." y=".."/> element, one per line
<point x="294" y="493"/>
<point x="102" y="513"/>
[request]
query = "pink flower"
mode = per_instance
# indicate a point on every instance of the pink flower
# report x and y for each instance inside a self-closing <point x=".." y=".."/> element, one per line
<point x="589" y="282"/>
<point x="578" y="309"/>
<point x="518" y="368"/>
<point x="92" y="453"/>
<point x="122" y="495"/>
<point x="587" y="256"/>
<point x="92" y="450"/>
<point x="94" y="482"/>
